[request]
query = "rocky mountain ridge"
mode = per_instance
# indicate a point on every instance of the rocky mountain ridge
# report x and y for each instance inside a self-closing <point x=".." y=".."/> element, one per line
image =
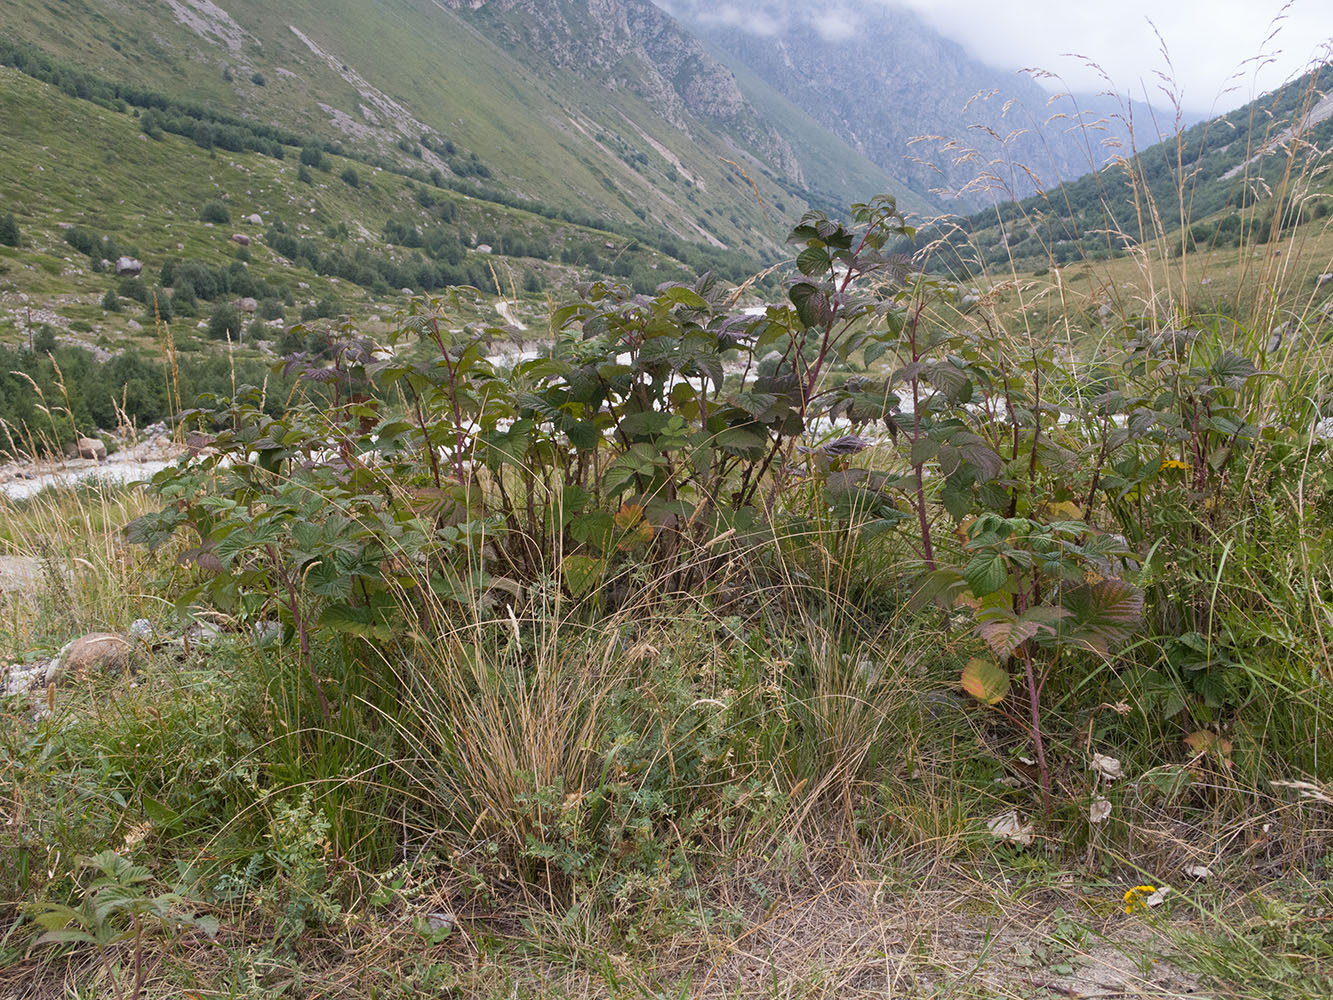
<point x="915" y="102"/>
<point x="635" y="46"/>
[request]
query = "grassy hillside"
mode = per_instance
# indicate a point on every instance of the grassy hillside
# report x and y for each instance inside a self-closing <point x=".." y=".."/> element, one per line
<point x="71" y="163"/>
<point x="374" y="75"/>
<point x="1246" y="177"/>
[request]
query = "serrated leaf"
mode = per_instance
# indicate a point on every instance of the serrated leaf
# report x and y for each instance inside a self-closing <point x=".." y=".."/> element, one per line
<point x="923" y="450"/>
<point x="812" y="261"/>
<point x="948" y="379"/>
<point x="354" y="621"/>
<point x="687" y="297"/>
<point x="985" y="574"/>
<point x="986" y="681"/>
<point x="1101" y="614"/>
<point x="1232" y="369"/>
<point x="1004" y="635"/>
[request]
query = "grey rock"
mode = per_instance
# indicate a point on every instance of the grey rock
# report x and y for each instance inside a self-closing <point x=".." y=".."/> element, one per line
<point x="128" y="266"/>
<point x="254" y="220"/>
<point x="241" y="239"/>
<point x="21" y="679"/>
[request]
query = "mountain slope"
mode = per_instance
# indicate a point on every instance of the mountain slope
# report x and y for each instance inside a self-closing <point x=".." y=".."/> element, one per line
<point x="556" y="102"/>
<point x="67" y="165"/>
<point x="881" y="78"/>
<point x="1245" y="177"/>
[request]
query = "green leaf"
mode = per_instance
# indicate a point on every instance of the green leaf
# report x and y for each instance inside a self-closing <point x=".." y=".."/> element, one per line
<point x="812" y="261"/>
<point x="354" y="621"/>
<point x="160" y="813"/>
<point x="680" y="295"/>
<point x="741" y="441"/>
<point x="942" y="583"/>
<point x="986" y="573"/>
<point x="957" y="499"/>
<point x="923" y="450"/>
<point x="583" y="434"/>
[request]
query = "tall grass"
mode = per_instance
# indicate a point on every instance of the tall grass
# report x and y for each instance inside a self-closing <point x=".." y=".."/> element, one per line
<point x="667" y="771"/>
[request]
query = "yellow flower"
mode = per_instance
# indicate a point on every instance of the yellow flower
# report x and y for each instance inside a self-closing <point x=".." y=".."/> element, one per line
<point x="1137" y="898"/>
<point x="1171" y="463"/>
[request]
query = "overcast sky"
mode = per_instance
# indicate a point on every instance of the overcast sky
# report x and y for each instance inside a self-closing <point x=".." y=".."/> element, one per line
<point x="1208" y="40"/>
<point x="1223" y="53"/>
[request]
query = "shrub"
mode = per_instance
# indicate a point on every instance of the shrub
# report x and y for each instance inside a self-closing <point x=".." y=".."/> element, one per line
<point x="159" y="306"/>
<point x="271" y="308"/>
<point x="88" y="242"/>
<point x="323" y="309"/>
<point x="215" y="211"/>
<point x="183" y="299"/>
<point x="134" y="288"/>
<point x="111" y="301"/>
<point x="290" y="342"/>
<point x="313" y="156"/>
<point x="258" y="79"/>
<point x="351" y="177"/>
<point x="226" y="321"/>
<point x="304" y="175"/>
<point x="9" y="230"/>
<point x="44" y="341"/>
<point x="240" y="281"/>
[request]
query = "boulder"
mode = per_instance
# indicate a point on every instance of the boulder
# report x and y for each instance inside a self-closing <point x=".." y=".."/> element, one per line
<point x="240" y="238"/>
<point x="96" y="652"/>
<point x="254" y="220"/>
<point x="91" y="448"/>
<point x="246" y="305"/>
<point x="1323" y="279"/>
<point x="484" y="248"/>
<point x="128" y="267"/>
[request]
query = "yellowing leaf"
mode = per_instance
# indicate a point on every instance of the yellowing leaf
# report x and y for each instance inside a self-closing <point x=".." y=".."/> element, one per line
<point x="1202" y="741"/>
<point x="1064" y="511"/>
<point x="985" y="681"/>
<point x="582" y="573"/>
<point x="628" y="516"/>
<point x="637" y="529"/>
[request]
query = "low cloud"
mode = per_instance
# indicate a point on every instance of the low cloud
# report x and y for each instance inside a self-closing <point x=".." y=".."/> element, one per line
<point x="757" y="18"/>
<point x="836" y="25"/>
<point x="832" y="22"/>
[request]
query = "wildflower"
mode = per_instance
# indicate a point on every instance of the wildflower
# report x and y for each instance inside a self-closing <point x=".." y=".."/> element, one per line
<point x="1144" y="897"/>
<point x="1136" y="899"/>
<point x="1171" y="463"/>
